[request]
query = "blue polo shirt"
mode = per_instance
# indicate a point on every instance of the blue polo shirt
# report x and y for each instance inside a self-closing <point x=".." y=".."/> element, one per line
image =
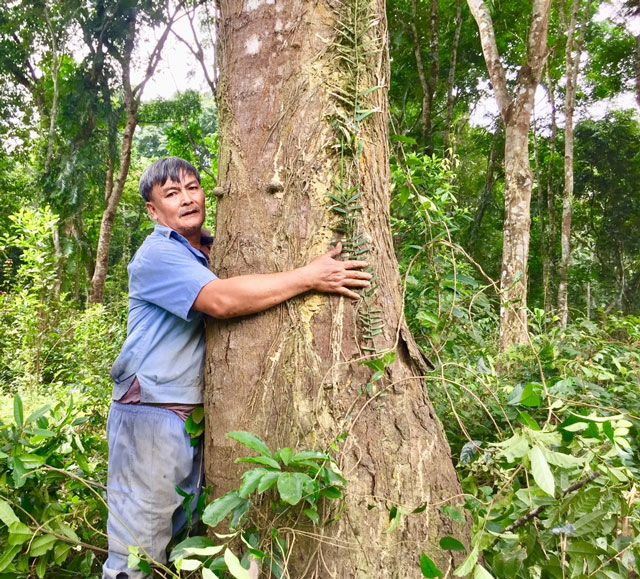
<point x="165" y="337"/>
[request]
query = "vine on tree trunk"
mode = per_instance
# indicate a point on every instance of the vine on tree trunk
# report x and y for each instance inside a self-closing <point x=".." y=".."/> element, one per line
<point x="355" y="45"/>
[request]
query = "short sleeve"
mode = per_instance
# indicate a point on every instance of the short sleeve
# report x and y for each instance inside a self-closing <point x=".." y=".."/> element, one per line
<point x="169" y="276"/>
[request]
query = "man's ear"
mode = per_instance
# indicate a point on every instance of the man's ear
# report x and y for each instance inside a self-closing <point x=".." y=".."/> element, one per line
<point x="152" y="210"/>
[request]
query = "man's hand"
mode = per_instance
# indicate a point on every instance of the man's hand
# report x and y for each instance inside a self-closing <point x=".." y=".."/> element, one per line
<point x="329" y="275"/>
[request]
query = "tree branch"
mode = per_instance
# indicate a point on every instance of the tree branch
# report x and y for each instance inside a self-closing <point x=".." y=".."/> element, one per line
<point x="497" y="74"/>
<point x="532" y="514"/>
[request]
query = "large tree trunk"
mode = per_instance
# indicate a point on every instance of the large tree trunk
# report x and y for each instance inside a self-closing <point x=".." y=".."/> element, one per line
<point x="289" y="136"/>
<point x="516" y="115"/>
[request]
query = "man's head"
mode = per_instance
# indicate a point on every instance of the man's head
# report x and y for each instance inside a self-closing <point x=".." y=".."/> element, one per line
<point x="173" y="195"/>
<point x="167" y="168"/>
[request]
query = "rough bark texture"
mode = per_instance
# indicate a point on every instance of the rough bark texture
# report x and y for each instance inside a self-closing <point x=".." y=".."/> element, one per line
<point x="290" y="375"/>
<point x="516" y="115"/>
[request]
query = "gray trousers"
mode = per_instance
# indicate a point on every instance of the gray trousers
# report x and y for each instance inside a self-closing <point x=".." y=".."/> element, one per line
<point x="149" y="454"/>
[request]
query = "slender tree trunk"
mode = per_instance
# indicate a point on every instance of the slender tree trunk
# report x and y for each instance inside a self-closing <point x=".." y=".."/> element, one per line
<point x="113" y="193"/>
<point x="114" y="189"/>
<point x="544" y="254"/>
<point x="548" y="263"/>
<point x="428" y="83"/>
<point x="452" y="75"/>
<point x="572" y="63"/>
<point x="516" y="115"/>
<point x="289" y="137"/>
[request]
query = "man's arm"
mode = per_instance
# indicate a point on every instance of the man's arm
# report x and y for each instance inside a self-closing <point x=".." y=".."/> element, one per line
<point x="249" y="294"/>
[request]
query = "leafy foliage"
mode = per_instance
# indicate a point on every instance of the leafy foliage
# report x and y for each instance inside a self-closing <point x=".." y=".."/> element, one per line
<point x="52" y="462"/>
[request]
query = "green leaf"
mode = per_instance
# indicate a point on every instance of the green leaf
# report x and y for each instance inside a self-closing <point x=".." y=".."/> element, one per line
<point x="562" y="460"/>
<point x="526" y="419"/>
<point x="37" y="414"/>
<point x="8" y="555"/>
<point x="451" y="544"/>
<point x="541" y="471"/>
<point x="60" y="552"/>
<point x="479" y="572"/>
<point x="18" y="412"/>
<point x="218" y="509"/>
<point x="527" y="395"/>
<point x="284" y="454"/>
<point x="197" y="415"/>
<point x="290" y="488"/>
<point x="19" y="472"/>
<point x="403" y="139"/>
<point x="428" y="567"/>
<point x="589" y="522"/>
<point x="188" y="564"/>
<point x="251" y="441"/>
<point x="310" y="455"/>
<point x="268" y="481"/>
<point x="250" y="481"/>
<point x="208" y="574"/>
<point x="331" y="492"/>
<point x="515" y="447"/>
<point x="31" y="461"/>
<point x="259" y="460"/>
<point x="233" y="564"/>
<point x="454" y="513"/>
<point x="190" y="546"/>
<point x="468" y="564"/>
<point x="41" y="544"/>
<point x="7" y="516"/>
<point x="238" y="515"/>
<point x="19" y="533"/>
<point x="313" y="515"/>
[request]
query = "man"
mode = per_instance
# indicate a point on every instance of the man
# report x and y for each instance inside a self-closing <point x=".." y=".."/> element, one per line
<point x="158" y="376"/>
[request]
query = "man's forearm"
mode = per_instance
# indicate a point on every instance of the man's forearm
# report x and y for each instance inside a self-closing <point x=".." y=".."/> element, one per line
<point x="249" y="294"/>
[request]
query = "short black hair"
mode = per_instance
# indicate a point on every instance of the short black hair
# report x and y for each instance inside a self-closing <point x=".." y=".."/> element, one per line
<point x="167" y="168"/>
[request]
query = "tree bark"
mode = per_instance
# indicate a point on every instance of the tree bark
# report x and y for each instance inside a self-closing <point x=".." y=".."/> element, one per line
<point x="573" y="52"/>
<point x="516" y="115"/>
<point x="548" y="263"/>
<point x="288" y="137"/>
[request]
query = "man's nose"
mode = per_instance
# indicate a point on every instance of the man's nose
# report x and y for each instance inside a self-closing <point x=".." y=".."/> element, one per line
<point x="185" y="197"/>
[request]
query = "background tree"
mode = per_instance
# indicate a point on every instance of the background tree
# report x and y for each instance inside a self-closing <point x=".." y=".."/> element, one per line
<point x="516" y="115"/>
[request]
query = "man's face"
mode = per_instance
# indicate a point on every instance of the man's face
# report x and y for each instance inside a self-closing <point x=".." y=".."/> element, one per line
<point x="178" y="205"/>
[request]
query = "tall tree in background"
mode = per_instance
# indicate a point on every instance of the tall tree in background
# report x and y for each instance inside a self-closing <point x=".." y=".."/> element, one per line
<point x="428" y="75"/>
<point x="515" y="109"/>
<point x="303" y="159"/>
<point x="573" y="52"/>
<point x="129" y="18"/>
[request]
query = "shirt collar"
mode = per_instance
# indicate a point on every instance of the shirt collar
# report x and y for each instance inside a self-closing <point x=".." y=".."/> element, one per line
<point x="172" y="234"/>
